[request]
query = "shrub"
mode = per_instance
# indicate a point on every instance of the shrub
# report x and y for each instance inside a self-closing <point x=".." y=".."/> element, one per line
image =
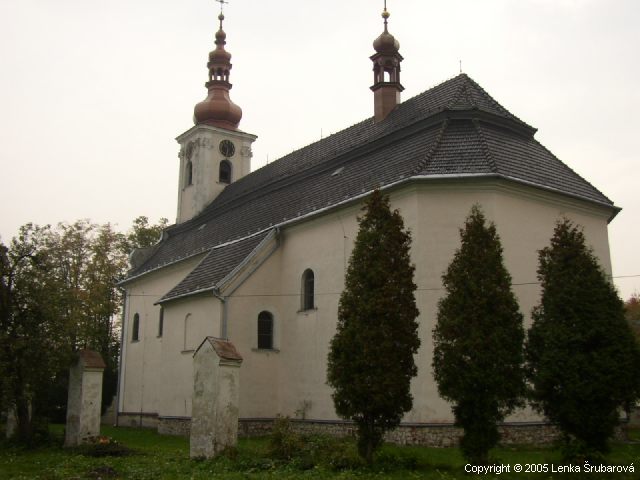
<point x="284" y="443"/>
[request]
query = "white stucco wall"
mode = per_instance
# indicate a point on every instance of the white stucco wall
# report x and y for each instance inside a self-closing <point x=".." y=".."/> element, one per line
<point x="141" y="379"/>
<point x="282" y="380"/>
<point x="202" y="316"/>
<point x="202" y="142"/>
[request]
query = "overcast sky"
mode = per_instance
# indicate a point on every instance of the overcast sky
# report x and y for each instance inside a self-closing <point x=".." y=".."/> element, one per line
<point x="93" y="93"/>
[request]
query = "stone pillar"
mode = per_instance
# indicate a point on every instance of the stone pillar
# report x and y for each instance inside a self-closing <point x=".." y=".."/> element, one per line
<point x="12" y="423"/>
<point x="85" y="399"/>
<point x="214" y="410"/>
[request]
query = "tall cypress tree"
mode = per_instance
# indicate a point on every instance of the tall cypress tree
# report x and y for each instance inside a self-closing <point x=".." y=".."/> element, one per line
<point x="478" y="339"/>
<point x="370" y="362"/>
<point x="583" y="362"/>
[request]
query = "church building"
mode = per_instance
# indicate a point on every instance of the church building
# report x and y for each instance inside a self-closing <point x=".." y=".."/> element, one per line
<point x="259" y="257"/>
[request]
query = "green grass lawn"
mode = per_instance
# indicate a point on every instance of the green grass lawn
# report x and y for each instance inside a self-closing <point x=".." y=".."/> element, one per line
<point x="162" y="457"/>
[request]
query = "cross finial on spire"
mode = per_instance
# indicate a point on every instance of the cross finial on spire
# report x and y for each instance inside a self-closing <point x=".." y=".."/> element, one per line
<point x="222" y="2"/>
<point x="221" y="15"/>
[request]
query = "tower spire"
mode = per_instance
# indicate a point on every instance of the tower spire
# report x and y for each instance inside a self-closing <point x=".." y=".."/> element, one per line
<point x="385" y="15"/>
<point x="386" y="71"/>
<point x="218" y="109"/>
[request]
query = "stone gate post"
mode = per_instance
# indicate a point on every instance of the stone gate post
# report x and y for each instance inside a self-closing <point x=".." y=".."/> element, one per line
<point x="214" y="411"/>
<point x="85" y="398"/>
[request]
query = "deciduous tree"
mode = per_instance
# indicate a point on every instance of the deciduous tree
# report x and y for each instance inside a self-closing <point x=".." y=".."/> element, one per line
<point x="33" y="330"/>
<point x="58" y="293"/>
<point x="632" y="314"/>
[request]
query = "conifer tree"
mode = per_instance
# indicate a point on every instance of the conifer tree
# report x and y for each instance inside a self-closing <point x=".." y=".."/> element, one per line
<point x="583" y="362"/>
<point x="370" y="363"/>
<point x="478" y="339"/>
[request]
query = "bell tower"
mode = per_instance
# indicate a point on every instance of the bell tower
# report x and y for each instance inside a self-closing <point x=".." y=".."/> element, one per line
<point x="386" y="72"/>
<point x="213" y="153"/>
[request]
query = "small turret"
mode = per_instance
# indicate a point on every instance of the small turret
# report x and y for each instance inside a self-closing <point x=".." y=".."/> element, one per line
<point x="386" y="72"/>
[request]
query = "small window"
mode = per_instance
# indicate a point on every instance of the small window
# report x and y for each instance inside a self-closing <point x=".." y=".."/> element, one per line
<point x="308" y="302"/>
<point x="191" y="334"/>
<point x="265" y="331"/>
<point x="135" y="331"/>
<point x="161" y="321"/>
<point x="225" y="172"/>
<point x="188" y="174"/>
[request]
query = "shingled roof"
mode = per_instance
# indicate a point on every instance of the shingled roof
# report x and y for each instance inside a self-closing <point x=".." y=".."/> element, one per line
<point x="219" y="263"/>
<point x="453" y="129"/>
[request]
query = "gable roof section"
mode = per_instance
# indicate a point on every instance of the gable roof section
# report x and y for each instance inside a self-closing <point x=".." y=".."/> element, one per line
<point x="215" y="267"/>
<point x="455" y="128"/>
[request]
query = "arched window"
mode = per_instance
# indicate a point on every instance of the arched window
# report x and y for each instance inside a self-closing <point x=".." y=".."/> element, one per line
<point x="308" y="302"/>
<point x="265" y="331"/>
<point x="225" y="172"/>
<point x="135" y="330"/>
<point x="190" y="334"/>
<point x="188" y="174"/>
<point x="161" y="321"/>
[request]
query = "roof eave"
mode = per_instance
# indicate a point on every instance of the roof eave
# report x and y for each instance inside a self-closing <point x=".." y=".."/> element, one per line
<point x="220" y="286"/>
<point x="614" y="210"/>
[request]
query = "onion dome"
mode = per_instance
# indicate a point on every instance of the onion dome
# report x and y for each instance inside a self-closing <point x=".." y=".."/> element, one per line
<point x="386" y="43"/>
<point x="218" y="109"/>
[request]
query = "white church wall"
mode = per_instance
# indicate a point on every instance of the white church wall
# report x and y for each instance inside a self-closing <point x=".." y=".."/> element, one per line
<point x="187" y="323"/>
<point x="319" y="245"/>
<point x="291" y="378"/>
<point x="525" y="223"/>
<point x="141" y="360"/>
<point x="434" y="213"/>
<point x="259" y="394"/>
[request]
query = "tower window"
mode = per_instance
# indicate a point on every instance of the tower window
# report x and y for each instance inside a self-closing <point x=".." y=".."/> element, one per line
<point x="188" y="174"/>
<point x="225" y="172"/>
<point x="161" y="321"/>
<point x="308" y="287"/>
<point x="135" y="330"/>
<point x="265" y="331"/>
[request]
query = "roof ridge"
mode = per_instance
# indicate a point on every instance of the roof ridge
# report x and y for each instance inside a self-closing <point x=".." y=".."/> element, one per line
<point x="564" y="165"/>
<point x="485" y="146"/>
<point x="458" y="94"/>
<point x="494" y="102"/>
<point x="436" y="144"/>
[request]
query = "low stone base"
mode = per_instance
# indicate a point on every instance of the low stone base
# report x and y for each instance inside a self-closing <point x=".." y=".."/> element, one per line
<point x="141" y="420"/>
<point x="109" y="416"/>
<point x="634" y="417"/>
<point x="431" y="435"/>
<point x="177" y="426"/>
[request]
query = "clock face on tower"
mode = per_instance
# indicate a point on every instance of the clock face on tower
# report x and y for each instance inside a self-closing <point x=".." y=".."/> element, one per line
<point x="227" y="148"/>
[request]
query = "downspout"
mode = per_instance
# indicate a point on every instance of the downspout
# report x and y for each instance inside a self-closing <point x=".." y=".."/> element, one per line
<point x="121" y="359"/>
<point x="223" y="298"/>
<point x="223" y="323"/>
